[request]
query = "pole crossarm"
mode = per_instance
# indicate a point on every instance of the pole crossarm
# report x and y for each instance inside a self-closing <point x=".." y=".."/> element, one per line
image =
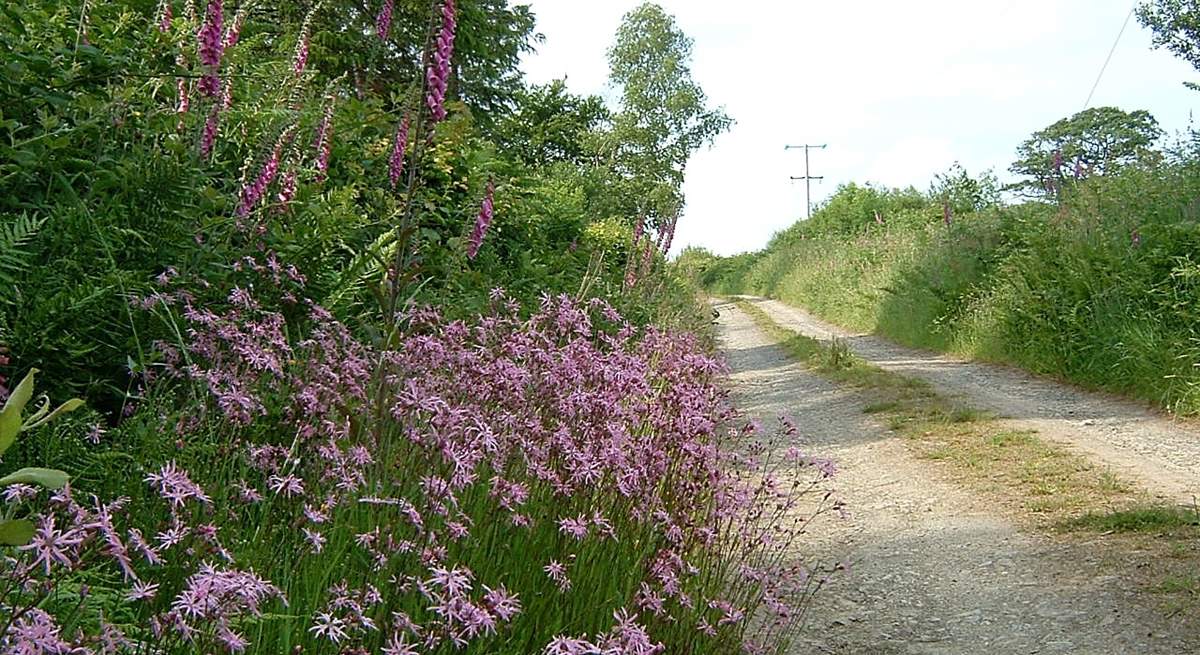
<point x="807" y="177"/>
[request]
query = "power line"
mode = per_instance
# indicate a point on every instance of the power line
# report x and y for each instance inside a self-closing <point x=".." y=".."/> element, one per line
<point x="1110" y="54"/>
<point x="807" y="178"/>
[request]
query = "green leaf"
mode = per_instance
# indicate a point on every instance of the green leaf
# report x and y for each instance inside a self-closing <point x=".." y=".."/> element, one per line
<point x="69" y="406"/>
<point x="10" y="416"/>
<point x="16" y="533"/>
<point x="48" y="478"/>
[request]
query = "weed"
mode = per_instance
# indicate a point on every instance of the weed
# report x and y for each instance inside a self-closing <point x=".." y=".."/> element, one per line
<point x="1180" y="583"/>
<point x="968" y="415"/>
<point x="881" y="407"/>
<point x="838" y="356"/>
<point x="1152" y="518"/>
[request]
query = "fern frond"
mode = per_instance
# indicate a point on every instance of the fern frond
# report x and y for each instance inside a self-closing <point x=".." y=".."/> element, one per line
<point x="370" y="262"/>
<point x="16" y="233"/>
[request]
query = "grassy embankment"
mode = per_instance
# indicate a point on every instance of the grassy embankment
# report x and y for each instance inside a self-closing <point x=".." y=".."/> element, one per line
<point x="1102" y="289"/>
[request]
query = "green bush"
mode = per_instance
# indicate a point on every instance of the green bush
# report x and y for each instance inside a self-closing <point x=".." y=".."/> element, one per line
<point x="103" y="187"/>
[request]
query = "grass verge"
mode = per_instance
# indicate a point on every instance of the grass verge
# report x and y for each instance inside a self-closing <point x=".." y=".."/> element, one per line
<point x="1039" y="482"/>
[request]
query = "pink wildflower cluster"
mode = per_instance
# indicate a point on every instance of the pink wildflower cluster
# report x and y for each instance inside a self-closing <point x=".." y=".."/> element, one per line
<point x="254" y="191"/>
<point x="211" y="47"/>
<point x="300" y="59"/>
<point x="1055" y="175"/>
<point x="165" y="16"/>
<point x="287" y="189"/>
<point x="627" y="637"/>
<point x="182" y="88"/>
<point x="480" y="508"/>
<point x="72" y="538"/>
<point x="36" y="632"/>
<point x="437" y="75"/>
<point x="234" y="31"/>
<point x="487" y="211"/>
<point x="212" y="600"/>
<point x="667" y="235"/>
<point x="383" y="22"/>
<point x="208" y="137"/>
<point x="300" y="56"/>
<point x="244" y="342"/>
<point x="242" y="346"/>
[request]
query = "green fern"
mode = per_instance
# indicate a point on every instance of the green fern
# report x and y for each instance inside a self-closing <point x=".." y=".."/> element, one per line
<point x="16" y="234"/>
<point x="368" y="263"/>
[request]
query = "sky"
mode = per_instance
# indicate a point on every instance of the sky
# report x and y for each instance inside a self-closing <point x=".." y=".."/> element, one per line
<point x="898" y="90"/>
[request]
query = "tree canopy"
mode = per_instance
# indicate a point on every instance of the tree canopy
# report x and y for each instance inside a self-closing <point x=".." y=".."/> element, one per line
<point x="1095" y="141"/>
<point x="664" y="115"/>
<point x="549" y="124"/>
<point x="963" y="193"/>
<point x="1176" y="27"/>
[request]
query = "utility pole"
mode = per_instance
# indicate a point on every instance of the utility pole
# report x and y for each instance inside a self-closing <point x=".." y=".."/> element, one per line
<point x="807" y="178"/>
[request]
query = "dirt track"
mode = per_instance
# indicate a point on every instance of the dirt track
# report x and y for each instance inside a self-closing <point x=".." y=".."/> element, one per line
<point x="934" y="571"/>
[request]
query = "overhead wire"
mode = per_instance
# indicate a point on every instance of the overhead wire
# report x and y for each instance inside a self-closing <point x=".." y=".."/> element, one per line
<point x="1110" y="55"/>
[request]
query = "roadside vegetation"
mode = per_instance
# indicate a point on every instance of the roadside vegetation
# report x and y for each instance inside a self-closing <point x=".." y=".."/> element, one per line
<point x="1089" y="271"/>
<point x="1097" y="286"/>
<point x="323" y="332"/>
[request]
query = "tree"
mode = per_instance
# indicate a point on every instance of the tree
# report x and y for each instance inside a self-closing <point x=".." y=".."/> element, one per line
<point x="965" y="194"/>
<point x="852" y="208"/>
<point x="1176" y="26"/>
<point x="1095" y="141"/>
<point x="549" y="124"/>
<point x="491" y="37"/>
<point x="664" y="116"/>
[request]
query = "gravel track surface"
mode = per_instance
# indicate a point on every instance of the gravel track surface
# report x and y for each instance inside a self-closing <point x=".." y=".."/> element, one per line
<point x="934" y="570"/>
<point x="1160" y="454"/>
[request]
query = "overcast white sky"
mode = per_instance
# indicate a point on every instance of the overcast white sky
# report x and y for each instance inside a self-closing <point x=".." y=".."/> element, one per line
<point x="899" y="90"/>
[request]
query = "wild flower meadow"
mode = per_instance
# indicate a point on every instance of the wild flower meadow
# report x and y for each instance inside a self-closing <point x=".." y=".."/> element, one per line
<point x="565" y="483"/>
